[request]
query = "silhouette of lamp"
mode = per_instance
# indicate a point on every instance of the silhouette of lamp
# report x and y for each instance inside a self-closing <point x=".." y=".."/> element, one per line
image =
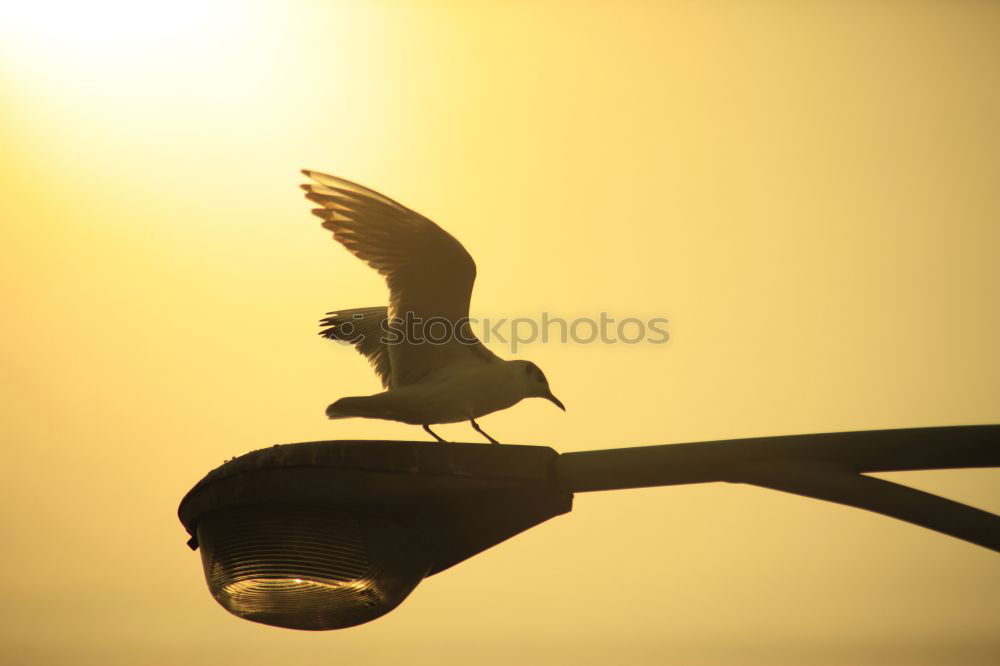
<point x="327" y="535"/>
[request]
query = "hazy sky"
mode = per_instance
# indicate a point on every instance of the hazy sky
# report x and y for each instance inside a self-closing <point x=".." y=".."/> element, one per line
<point x="806" y="190"/>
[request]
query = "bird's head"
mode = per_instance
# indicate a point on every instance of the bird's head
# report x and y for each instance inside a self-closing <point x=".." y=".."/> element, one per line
<point x="535" y="384"/>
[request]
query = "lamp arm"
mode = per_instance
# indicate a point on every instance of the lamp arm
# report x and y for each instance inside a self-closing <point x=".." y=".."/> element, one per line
<point x="826" y="466"/>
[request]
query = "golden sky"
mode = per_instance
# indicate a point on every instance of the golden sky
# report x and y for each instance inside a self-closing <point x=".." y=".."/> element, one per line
<point x="806" y="190"/>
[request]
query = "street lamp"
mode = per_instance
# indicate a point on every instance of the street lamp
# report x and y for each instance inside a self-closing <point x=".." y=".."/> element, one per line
<point x="327" y="535"/>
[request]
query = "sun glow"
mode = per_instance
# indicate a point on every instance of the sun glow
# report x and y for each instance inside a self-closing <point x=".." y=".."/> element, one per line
<point x="63" y="38"/>
<point x="104" y="28"/>
<point x="92" y="49"/>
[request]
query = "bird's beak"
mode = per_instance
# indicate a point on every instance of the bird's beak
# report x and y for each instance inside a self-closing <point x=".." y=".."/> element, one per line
<point x="555" y="401"/>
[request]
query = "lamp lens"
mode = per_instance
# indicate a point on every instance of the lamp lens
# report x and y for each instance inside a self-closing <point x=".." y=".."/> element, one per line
<point x="308" y="567"/>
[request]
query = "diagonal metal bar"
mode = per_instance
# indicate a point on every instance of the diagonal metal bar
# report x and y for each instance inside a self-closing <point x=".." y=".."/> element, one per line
<point x="843" y="486"/>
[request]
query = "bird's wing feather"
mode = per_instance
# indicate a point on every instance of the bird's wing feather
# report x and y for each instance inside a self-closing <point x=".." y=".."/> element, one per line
<point x="363" y="328"/>
<point x="428" y="272"/>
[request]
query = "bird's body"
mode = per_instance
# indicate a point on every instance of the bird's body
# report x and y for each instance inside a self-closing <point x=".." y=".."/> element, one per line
<point x="456" y="393"/>
<point x="420" y="345"/>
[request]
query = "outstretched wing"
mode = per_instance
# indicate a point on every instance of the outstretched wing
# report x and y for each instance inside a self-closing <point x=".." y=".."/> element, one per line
<point x="429" y="274"/>
<point x="363" y="328"/>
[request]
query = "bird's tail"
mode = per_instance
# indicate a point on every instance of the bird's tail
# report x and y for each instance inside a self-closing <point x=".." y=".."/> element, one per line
<point x="362" y="406"/>
<point x="341" y="409"/>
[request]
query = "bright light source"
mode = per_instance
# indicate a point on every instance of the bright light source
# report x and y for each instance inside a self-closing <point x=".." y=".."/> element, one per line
<point x="103" y="28"/>
<point x="308" y="566"/>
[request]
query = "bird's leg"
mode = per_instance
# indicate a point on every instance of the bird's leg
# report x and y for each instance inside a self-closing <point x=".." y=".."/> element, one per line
<point x="427" y="428"/>
<point x="482" y="432"/>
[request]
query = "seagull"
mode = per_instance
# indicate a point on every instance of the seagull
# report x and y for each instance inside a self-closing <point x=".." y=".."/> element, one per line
<point x="432" y="367"/>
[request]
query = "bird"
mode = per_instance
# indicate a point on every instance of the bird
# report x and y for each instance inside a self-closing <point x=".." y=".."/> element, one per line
<point x="432" y="367"/>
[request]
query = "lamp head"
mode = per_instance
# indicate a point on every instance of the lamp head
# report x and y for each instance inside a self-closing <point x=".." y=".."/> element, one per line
<point x="327" y="535"/>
